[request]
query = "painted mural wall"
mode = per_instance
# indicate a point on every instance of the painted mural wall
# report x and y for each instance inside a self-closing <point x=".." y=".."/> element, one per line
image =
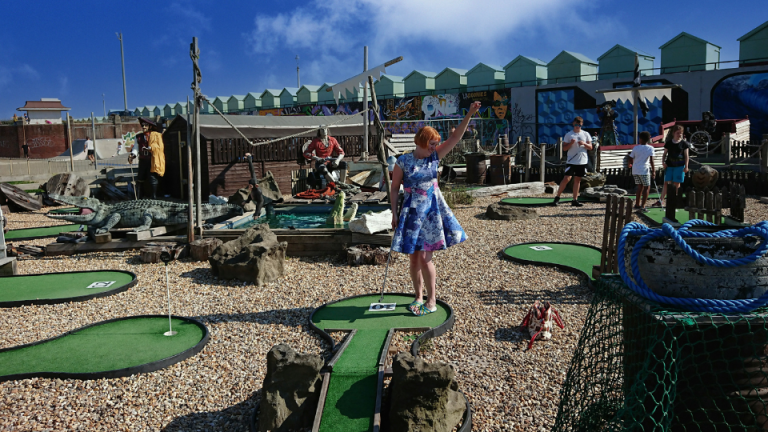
<point x="740" y="95"/>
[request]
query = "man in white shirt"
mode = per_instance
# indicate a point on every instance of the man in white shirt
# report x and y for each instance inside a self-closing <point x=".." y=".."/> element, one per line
<point x="641" y="161"/>
<point x="89" y="149"/>
<point x="577" y="142"/>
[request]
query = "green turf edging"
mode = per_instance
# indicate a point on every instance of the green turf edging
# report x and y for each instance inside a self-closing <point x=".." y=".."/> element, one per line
<point x="101" y="350"/>
<point x="583" y="262"/>
<point x="65" y="210"/>
<point x="40" y="232"/>
<point x="61" y="287"/>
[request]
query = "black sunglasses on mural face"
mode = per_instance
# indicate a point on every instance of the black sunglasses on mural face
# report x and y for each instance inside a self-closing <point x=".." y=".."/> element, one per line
<point x="499" y="103"/>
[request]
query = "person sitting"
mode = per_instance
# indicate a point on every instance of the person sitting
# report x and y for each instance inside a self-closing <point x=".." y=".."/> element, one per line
<point x="325" y="147"/>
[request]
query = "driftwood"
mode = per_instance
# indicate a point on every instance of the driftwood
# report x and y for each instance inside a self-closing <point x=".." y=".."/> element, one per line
<point x="618" y="212"/>
<point x="201" y="250"/>
<point x="18" y="197"/>
<point x="367" y="254"/>
<point x="151" y="252"/>
<point x="67" y="184"/>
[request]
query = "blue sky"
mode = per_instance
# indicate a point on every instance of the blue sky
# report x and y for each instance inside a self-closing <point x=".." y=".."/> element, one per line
<point x="69" y="50"/>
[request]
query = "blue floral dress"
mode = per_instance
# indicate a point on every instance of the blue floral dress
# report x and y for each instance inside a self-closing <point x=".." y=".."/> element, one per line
<point x="426" y="222"/>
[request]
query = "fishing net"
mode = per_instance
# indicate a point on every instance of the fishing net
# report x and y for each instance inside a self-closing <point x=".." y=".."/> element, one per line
<point x="641" y="366"/>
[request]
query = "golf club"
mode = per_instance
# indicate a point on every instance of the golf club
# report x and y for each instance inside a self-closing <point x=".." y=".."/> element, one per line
<point x="167" y="258"/>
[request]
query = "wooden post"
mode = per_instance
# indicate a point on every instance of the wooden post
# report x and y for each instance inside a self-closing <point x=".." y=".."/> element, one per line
<point x="671" y="202"/>
<point x="190" y="176"/>
<point x="181" y="175"/>
<point x="719" y="208"/>
<point x="542" y="162"/>
<point x="700" y="205"/>
<point x="615" y="206"/>
<point x="691" y="205"/>
<point x="71" y="150"/>
<point x="382" y="150"/>
<point x="764" y="154"/>
<point x="727" y="148"/>
<point x="528" y="151"/>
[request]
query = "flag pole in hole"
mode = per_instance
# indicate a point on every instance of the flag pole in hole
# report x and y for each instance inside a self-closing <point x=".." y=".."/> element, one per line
<point x="166" y="257"/>
<point x="381" y="306"/>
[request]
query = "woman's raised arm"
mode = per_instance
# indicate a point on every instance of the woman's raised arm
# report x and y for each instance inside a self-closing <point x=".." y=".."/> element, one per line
<point x="452" y="140"/>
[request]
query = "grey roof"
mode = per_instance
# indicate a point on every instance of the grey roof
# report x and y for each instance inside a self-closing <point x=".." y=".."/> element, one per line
<point x="273" y="92"/>
<point x="494" y="67"/>
<point x="753" y="31"/>
<point x="394" y="78"/>
<point x="213" y="126"/>
<point x="580" y="57"/>
<point x="238" y="97"/>
<point x="291" y="90"/>
<point x="454" y="70"/>
<point x="533" y="60"/>
<point x="684" y="34"/>
<point x="628" y="48"/>
<point x="312" y="88"/>
<point x="423" y="73"/>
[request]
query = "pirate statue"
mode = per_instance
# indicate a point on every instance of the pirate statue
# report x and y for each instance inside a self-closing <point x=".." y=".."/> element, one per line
<point x="609" y="136"/>
<point x="328" y="156"/>
<point x="149" y="149"/>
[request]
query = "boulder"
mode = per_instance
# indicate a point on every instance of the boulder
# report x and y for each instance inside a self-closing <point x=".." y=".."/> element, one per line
<point x="256" y="256"/>
<point x="705" y="178"/>
<point x="291" y="390"/>
<point x="202" y="249"/>
<point x="498" y="211"/>
<point x="424" y="396"/>
<point x="589" y="180"/>
<point x="604" y="191"/>
<point x="336" y="218"/>
<point x="550" y="187"/>
<point x="371" y="223"/>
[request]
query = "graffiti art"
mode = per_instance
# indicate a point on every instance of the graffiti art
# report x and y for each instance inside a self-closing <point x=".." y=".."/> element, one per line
<point x="740" y="95"/>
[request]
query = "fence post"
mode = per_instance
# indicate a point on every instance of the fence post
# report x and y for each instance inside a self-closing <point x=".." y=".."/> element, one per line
<point x="542" y="162"/>
<point x="727" y="148"/>
<point x="528" y="151"/>
<point x="764" y="154"/>
<point x="28" y="173"/>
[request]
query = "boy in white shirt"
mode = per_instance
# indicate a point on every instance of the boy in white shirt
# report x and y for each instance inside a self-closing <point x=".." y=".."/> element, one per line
<point x="641" y="161"/>
<point x="577" y="142"/>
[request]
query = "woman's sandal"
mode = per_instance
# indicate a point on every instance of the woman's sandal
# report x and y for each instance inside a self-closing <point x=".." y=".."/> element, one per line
<point x="413" y="307"/>
<point x="423" y="310"/>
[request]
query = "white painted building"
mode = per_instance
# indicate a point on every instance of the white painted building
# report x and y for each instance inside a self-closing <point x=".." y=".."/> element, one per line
<point x="44" y="111"/>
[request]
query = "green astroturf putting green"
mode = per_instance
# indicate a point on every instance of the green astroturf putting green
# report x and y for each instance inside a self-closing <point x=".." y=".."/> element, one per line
<point x="107" y="349"/>
<point x="578" y="257"/>
<point x="657" y="214"/>
<point x="61" y="287"/>
<point x="351" y="399"/>
<point x="30" y="233"/>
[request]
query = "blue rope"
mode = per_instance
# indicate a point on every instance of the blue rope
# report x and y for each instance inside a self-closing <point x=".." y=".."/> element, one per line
<point x="692" y="304"/>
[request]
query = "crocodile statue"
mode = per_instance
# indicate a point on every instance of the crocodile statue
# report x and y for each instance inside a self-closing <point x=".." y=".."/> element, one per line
<point x="138" y="214"/>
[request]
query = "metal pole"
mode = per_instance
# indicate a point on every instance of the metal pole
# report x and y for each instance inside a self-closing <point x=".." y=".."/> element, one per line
<point x="93" y="131"/>
<point x="365" y="105"/>
<point x="542" y="161"/>
<point x="71" y="150"/>
<point x="298" y="80"/>
<point x="170" y="331"/>
<point x="122" y="58"/>
<point x="198" y="182"/>
<point x="636" y="97"/>
<point x="104" y="105"/>
<point x="190" y="193"/>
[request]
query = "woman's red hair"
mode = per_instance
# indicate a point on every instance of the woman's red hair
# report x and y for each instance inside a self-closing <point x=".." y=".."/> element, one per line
<point x="425" y="135"/>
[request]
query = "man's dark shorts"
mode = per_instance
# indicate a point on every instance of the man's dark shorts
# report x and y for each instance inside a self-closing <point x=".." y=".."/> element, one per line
<point x="576" y="170"/>
<point x="90" y="152"/>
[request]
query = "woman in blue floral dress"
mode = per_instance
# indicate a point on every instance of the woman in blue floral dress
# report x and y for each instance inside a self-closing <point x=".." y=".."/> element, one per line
<point x="426" y="223"/>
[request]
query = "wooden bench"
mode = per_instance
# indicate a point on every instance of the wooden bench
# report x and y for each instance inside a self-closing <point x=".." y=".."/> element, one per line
<point x="402" y="143"/>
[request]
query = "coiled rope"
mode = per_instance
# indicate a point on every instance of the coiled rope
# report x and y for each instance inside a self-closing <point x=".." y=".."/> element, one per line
<point x="691" y="304"/>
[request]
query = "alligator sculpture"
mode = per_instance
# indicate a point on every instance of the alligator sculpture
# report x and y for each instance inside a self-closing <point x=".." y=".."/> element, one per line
<point x="138" y="214"/>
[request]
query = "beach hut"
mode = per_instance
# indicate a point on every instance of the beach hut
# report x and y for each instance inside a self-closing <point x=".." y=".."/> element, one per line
<point x="389" y="86"/>
<point x="619" y="62"/>
<point x="686" y="52"/>
<point x="307" y="94"/>
<point x="525" y="71"/>
<point x="753" y="46"/>
<point x="571" y="67"/>
<point x="485" y="77"/>
<point x="270" y="98"/>
<point x="288" y="96"/>
<point x="419" y="82"/>
<point x="451" y="80"/>
<point x="235" y="103"/>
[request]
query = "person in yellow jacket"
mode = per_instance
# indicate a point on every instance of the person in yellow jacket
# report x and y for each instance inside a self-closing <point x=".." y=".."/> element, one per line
<point x="151" y="152"/>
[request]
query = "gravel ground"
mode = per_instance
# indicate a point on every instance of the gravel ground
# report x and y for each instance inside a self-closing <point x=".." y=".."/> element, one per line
<point x="509" y="388"/>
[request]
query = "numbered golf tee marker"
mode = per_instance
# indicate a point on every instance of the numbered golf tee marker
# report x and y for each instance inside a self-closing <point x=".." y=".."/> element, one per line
<point x="381" y="307"/>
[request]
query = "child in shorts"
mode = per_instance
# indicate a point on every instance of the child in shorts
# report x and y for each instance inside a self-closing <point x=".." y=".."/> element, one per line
<point x="641" y="161"/>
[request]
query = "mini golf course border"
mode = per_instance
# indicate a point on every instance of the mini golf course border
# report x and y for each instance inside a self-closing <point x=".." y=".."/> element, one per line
<point x="69" y="228"/>
<point x="337" y="351"/>
<point x="548" y="264"/>
<point x="107" y="293"/>
<point x="116" y="373"/>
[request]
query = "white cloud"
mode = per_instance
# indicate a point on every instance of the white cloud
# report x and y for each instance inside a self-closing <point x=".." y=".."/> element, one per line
<point x="27" y="71"/>
<point x="63" y="86"/>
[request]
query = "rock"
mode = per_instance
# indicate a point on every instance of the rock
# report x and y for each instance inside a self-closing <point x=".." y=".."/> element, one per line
<point x="424" y="396"/>
<point x="550" y="187"/>
<point x="256" y="256"/>
<point x="269" y="188"/>
<point x="589" y="180"/>
<point x="201" y="249"/>
<point x="336" y="218"/>
<point x="600" y="192"/>
<point x="371" y="223"/>
<point x="367" y="254"/>
<point x="351" y="213"/>
<point x="764" y="200"/>
<point x="498" y="211"/>
<point x="291" y="390"/>
<point x="705" y="178"/>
